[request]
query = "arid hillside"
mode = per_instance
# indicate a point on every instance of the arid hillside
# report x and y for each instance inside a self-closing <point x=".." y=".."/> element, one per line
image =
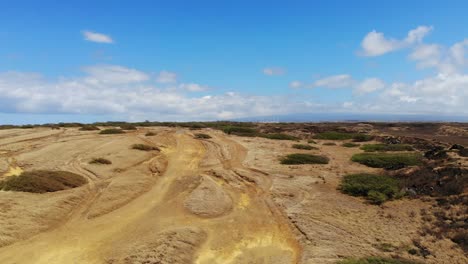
<point x="209" y="193"/>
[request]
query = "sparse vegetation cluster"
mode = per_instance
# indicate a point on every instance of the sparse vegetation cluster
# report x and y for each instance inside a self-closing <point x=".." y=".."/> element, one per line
<point x="376" y="260"/>
<point x="376" y="188"/>
<point x="386" y="147"/>
<point x="299" y="158"/>
<point x="42" y="181"/>
<point x="350" y="145"/>
<point x="387" y="160"/>
<point x="89" y="128"/>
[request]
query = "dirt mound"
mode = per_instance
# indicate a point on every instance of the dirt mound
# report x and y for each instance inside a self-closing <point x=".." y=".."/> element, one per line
<point x="41" y="181"/>
<point x="174" y="246"/>
<point x="208" y="200"/>
<point x="452" y="131"/>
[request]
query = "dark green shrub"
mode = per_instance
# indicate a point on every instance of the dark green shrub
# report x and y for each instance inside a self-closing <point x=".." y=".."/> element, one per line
<point x="350" y="145"/>
<point x="362" y="137"/>
<point x="240" y="131"/>
<point x="279" y="136"/>
<point x="386" y="147"/>
<point x="310" y="141"/>
<point x="100" y="161"/>
<point x="376" y="260"/>
<point x="202" y="136"/>
<point x="303" y="146"/>
<point x="111" y="131"/>
<point x="89" y="128"/>
<point x="144" y="147"/>
<point x="41" y="181"/>
<point x="150" y="134"/>
<point x="329" y="144"/>
<point x="376" y="188"/>
<point x="387" y="160"/>
<point x="300" y="158"/>
<point x="128" y="127"/>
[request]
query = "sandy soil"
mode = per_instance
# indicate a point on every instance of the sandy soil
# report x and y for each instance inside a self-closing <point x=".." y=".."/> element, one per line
<point x="220" y="200"/>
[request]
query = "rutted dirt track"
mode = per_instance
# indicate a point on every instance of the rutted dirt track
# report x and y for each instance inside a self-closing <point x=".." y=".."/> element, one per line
<point x="220" y="200"/>
<point x="171" y="219"/>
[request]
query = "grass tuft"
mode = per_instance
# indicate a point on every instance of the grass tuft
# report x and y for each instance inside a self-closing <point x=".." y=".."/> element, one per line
<point x="202" y="136"/>
<point x="387" y="160"/>
<point x="299" y="158"/>
<point x="128" y="127"/>
<point x="144" y="147"/>
<point x="350" y="145"/>
<point x="386" y="147"/>
<point x="303" y="146"/>
<point x="110" y="131"/>
<point x="42" y="181"/>
<point x="100" y="161"/>
<point x="150" y="134"/>
<point x="376" y="260"/>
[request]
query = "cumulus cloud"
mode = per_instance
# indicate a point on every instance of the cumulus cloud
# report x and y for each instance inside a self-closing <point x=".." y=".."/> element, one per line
<point x="113" y="74"/>
<point x="274" y="71"/>
<point x="376" y="43"/>
<point x="97" y="37"/>
<point x="295" y="84"/>
<point x="166" y="77"/>
<point x="335" y="81"/>
<point x="117" y="90"/>
<point x="446" y="60"/>
<point x="369" y="85"/>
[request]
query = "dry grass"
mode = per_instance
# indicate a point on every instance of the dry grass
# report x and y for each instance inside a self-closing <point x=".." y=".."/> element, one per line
<point x="100" y="161"/>
<point x="41" y="181"/>
<point x="144" y="147"/>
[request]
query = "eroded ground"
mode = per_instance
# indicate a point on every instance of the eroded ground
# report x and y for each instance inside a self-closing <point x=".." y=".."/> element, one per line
<point x="221" y="200"/>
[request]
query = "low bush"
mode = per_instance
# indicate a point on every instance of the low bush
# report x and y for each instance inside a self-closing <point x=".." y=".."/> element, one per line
<point x="376" y="260"/>
<point x="350" y="145"/>
<point x="89" y="128"/>
<point x="144" y="147"/>
<point x="329" y="144"/>
<point x="386" y="147"/>
<point x="150" y="134"/>
<point x="311" y="141"/>
<point x="303" y="146"/>
<point x="111" y="131"/>
<point x="362" y="137"/>
<point x="240" y="131"/>
<point x="463" y="152"/>
<point x="202" y="136"/>
<point x="100" y="161"/>
<point x="128" y="127"/>
<point x="387" y="160"/>
<point x="279" y="136"/>
<point x="299" y="158"/>
<point x="376" y="188"/>
<point x="41" y="181"/>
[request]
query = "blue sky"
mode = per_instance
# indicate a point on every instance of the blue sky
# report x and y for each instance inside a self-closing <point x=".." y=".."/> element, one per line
<point x="207" y="60"/>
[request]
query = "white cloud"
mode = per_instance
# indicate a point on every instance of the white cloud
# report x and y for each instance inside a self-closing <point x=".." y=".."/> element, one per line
<point x="376" y="44"/>
<point x="97" y="37"/>
<point x="274" y="71"/>
<point x="193" y="87"/>
<point x="335" y="81"/>
<point x="166" y="77"/>
<point x="369" y="85"/>
<point x="446" y="60"/>
<point x="113" y="74"/>
<point x="295" y="84"/>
